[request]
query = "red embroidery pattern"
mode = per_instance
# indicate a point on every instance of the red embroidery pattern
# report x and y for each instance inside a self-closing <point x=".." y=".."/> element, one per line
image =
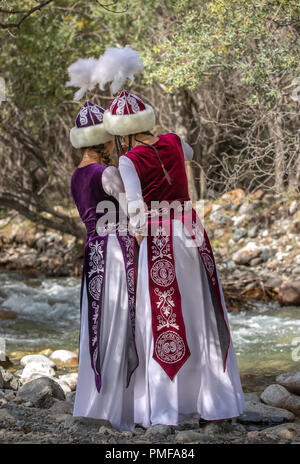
<point x="170" y="346"/>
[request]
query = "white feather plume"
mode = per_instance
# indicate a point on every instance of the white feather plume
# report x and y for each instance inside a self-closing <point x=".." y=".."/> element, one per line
<point x="115" y="66"/>
<point x="81" y="75"/>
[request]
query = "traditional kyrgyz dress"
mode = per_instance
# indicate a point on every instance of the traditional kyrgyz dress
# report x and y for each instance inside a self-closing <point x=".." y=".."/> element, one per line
<point x="107" y="355"/>
<point x="187" y="366"/>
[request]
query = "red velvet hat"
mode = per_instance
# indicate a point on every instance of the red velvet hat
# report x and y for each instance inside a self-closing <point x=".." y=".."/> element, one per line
<point x="128" y="114"/>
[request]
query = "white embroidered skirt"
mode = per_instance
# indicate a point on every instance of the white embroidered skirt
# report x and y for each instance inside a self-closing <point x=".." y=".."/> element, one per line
<point x="115" y="401"/>
<point x="201" y="388"/>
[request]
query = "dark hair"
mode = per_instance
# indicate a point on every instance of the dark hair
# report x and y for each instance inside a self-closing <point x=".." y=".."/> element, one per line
<point x="99" y="149"/>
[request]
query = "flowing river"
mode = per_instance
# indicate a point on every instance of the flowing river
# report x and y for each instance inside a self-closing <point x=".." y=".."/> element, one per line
<point x="266" y="339"/>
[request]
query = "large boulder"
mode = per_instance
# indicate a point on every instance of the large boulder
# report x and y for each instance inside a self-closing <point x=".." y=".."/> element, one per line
<point x="290" y="380"/>
<point x="258" y="413"/>
<point x="37" y="358"/>
<point x="41" y="392"/>
<point x="280" y="397"/>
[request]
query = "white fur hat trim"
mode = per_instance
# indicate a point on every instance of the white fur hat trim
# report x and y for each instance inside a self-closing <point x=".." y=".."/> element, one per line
<point x="89" y="136"/>
<point x="126" y="124"/>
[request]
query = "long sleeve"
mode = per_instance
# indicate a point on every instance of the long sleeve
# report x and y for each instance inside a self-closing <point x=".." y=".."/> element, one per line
<point x="134" y="197"/>
<point x="112" y="182"/>
<point x="188" y="152"/>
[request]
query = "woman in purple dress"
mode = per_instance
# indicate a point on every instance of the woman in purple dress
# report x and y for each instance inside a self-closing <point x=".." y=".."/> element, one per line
<point x="107" y="353"/>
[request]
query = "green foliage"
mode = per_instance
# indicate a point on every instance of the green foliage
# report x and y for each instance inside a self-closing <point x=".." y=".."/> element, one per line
<point x="182" y="42"/>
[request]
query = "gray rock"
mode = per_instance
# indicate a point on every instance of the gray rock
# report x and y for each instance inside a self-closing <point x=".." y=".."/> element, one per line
<point x="252" y="233"/>
<point x="239" y="233"/>
<point x="290" y="380"/>
<point x="246" y="207"/>
<point x="218" y="233"/>
<point x="41" y="392"/>
<point x="78" y="424"/>
<point x="278" y="396"/>
<point x="246" y="254"/>
<point x="70" y="396"/>
<point x="158" y="430"/>
<point x="191" y="436"/>
<point x="256" y="261"/>
<point x="62" y="407"/>
<point x="266" y="253"/>
<point x="257" y="412"/>
<point x="10" y="381"/>
<point x="288" y="431"/>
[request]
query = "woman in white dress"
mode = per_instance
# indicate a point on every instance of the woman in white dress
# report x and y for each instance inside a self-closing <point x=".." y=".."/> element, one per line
<point x="193" y="329"/>
<point x="107" y="355"/>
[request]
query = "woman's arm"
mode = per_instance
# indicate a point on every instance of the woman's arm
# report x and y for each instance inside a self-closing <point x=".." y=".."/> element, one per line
<point x="134" y="197"/>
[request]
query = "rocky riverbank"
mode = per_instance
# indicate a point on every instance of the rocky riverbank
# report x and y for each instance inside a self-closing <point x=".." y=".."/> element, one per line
<point x="255" y="239"/>
<point x="36" y="406"/>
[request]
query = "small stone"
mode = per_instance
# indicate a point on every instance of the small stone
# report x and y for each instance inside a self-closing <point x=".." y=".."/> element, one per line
<point x="289" y="292"/>
<point x="28" y="404"/>
<point x="256" y="261"/>
<point x="190" y="436"/>
<point x="239" y="233"/>
<point x="62" y="407"/>
<point x="70" y="379"/>
<point x="293" y="207"/>
<point x="252" y="233"/>
<point x="64" y="356"/>
<point x="157" y="430"/>
<point x="245" y="254"/>
<point x="38" y="358"/>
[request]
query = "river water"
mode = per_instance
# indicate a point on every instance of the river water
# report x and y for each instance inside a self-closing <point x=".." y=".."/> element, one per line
<point x="266" y="339"/>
